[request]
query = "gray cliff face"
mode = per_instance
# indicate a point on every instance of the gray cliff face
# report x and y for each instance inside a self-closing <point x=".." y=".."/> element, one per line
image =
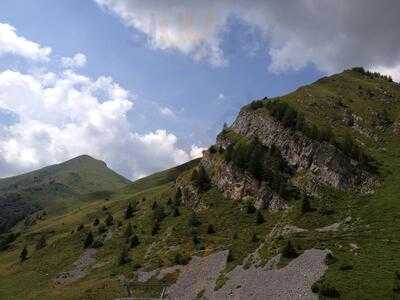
<point x="236" y="184"/>
<point x="320" y="162"/>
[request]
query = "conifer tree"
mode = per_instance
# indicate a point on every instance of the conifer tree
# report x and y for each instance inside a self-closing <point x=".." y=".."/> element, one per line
<point x="89" y="240"/>
<point x="24" y="254"/>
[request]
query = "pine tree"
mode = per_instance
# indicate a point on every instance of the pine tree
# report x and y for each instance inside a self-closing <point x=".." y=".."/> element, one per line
<point x="134" y="241"/>
<point x="259" y="218"/>
<point x="129" y="211"/>
<point x="41" y="243"/>
<point x="89" y="240"/>
<point x="24" y="254"/>
<point x="289" y="251"/>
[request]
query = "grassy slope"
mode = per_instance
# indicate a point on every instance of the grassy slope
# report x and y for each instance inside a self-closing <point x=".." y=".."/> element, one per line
<point x="374" y="226"/>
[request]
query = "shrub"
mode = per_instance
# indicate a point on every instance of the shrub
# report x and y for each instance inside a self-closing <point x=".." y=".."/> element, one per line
<point x="256" y="104"/>
<point x="250" y="208"/>
<point x="97" y="244"/>
<point x="179" y="259"/>
<point x="88" y="240"/>
<point x="288" y="250"/>
<point x="210" y="229"/>
<point x="41" y="243"/>
<point x="230" y="257"/>
<point x="134" y="241"/>
<point x="328" y="291"/>
<point x="109" y="220"/>
<point x="254" y="238"/>
<point x="128" y="230"/>
<point x="80" y="227"/>
<point x="24" y="254"/>
<point x="203" y="181"/>
<point x="102" y="229"/>
<point x="178" y="196"/>
<point x="96" y="222"/>
<point x="194" y="221"/>
<point x="129" y="211"/>
<point x="176" y="212"/>
<point x="259" y="217"/>
<point x="330" y="259"/>
<point x="212" y="149"/>
<point x="345" y="266"/>
<point x="155" y="229"/>
<point x="305" y="204"/>
<point x="124" y="257"/>
<point x="159" y="214"/>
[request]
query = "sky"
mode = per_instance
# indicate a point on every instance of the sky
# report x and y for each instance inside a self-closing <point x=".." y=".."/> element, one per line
<point x="146" y="85"/>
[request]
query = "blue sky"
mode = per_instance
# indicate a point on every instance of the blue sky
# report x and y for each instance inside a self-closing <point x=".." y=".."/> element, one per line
<point x="184" y="78"/>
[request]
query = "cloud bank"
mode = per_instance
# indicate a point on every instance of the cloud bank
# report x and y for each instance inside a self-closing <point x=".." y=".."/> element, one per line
<point x="331" y="35"/>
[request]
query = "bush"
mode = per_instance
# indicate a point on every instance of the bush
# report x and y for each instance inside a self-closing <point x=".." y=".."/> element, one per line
<point x="193" y="221"/>
<point x="109" y="220"/>
<point x="128" y="230"/>
<point x="250" y="208"/>
<point x="155" y="229"/>
<point x="102" y="229"/>
<point x="305" y="204"/>
<point x="330" y="259"/>
<point x="134" y="241"/>
<point x="89" y="240"/>
<point x="175" y="212"/>
<point x="178" y="196"/>
<point x="203" y="181"/>
<point x="96" y="222"/>
<point x="129" y="211"/>
<point x="289" y="251"/>
<point x="41" y="243"/>
<point x="256" y="104"/>
<point x="345" y="266"/>
<point x="254" y="238"/>
<point x="124" y="257"/>
<point x="80" y="227"/>
<point x="97" y="244"/>
<point x="210" y="229"/>
<point x="179" y="259"/>
<point x="259" y="217"/>
<point x="328" y="291"/>
<point x="212" y="149"/>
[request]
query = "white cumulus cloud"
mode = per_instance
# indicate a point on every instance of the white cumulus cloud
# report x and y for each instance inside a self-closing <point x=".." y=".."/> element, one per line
<point x="65" y="115"/>
<point x="196" y="151"/>
<point x="77" y="61"/>
<point x="11" y="43"/>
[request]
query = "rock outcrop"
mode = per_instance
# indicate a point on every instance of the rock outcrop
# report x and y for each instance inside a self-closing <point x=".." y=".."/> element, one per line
<point x="321" y="163"/>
